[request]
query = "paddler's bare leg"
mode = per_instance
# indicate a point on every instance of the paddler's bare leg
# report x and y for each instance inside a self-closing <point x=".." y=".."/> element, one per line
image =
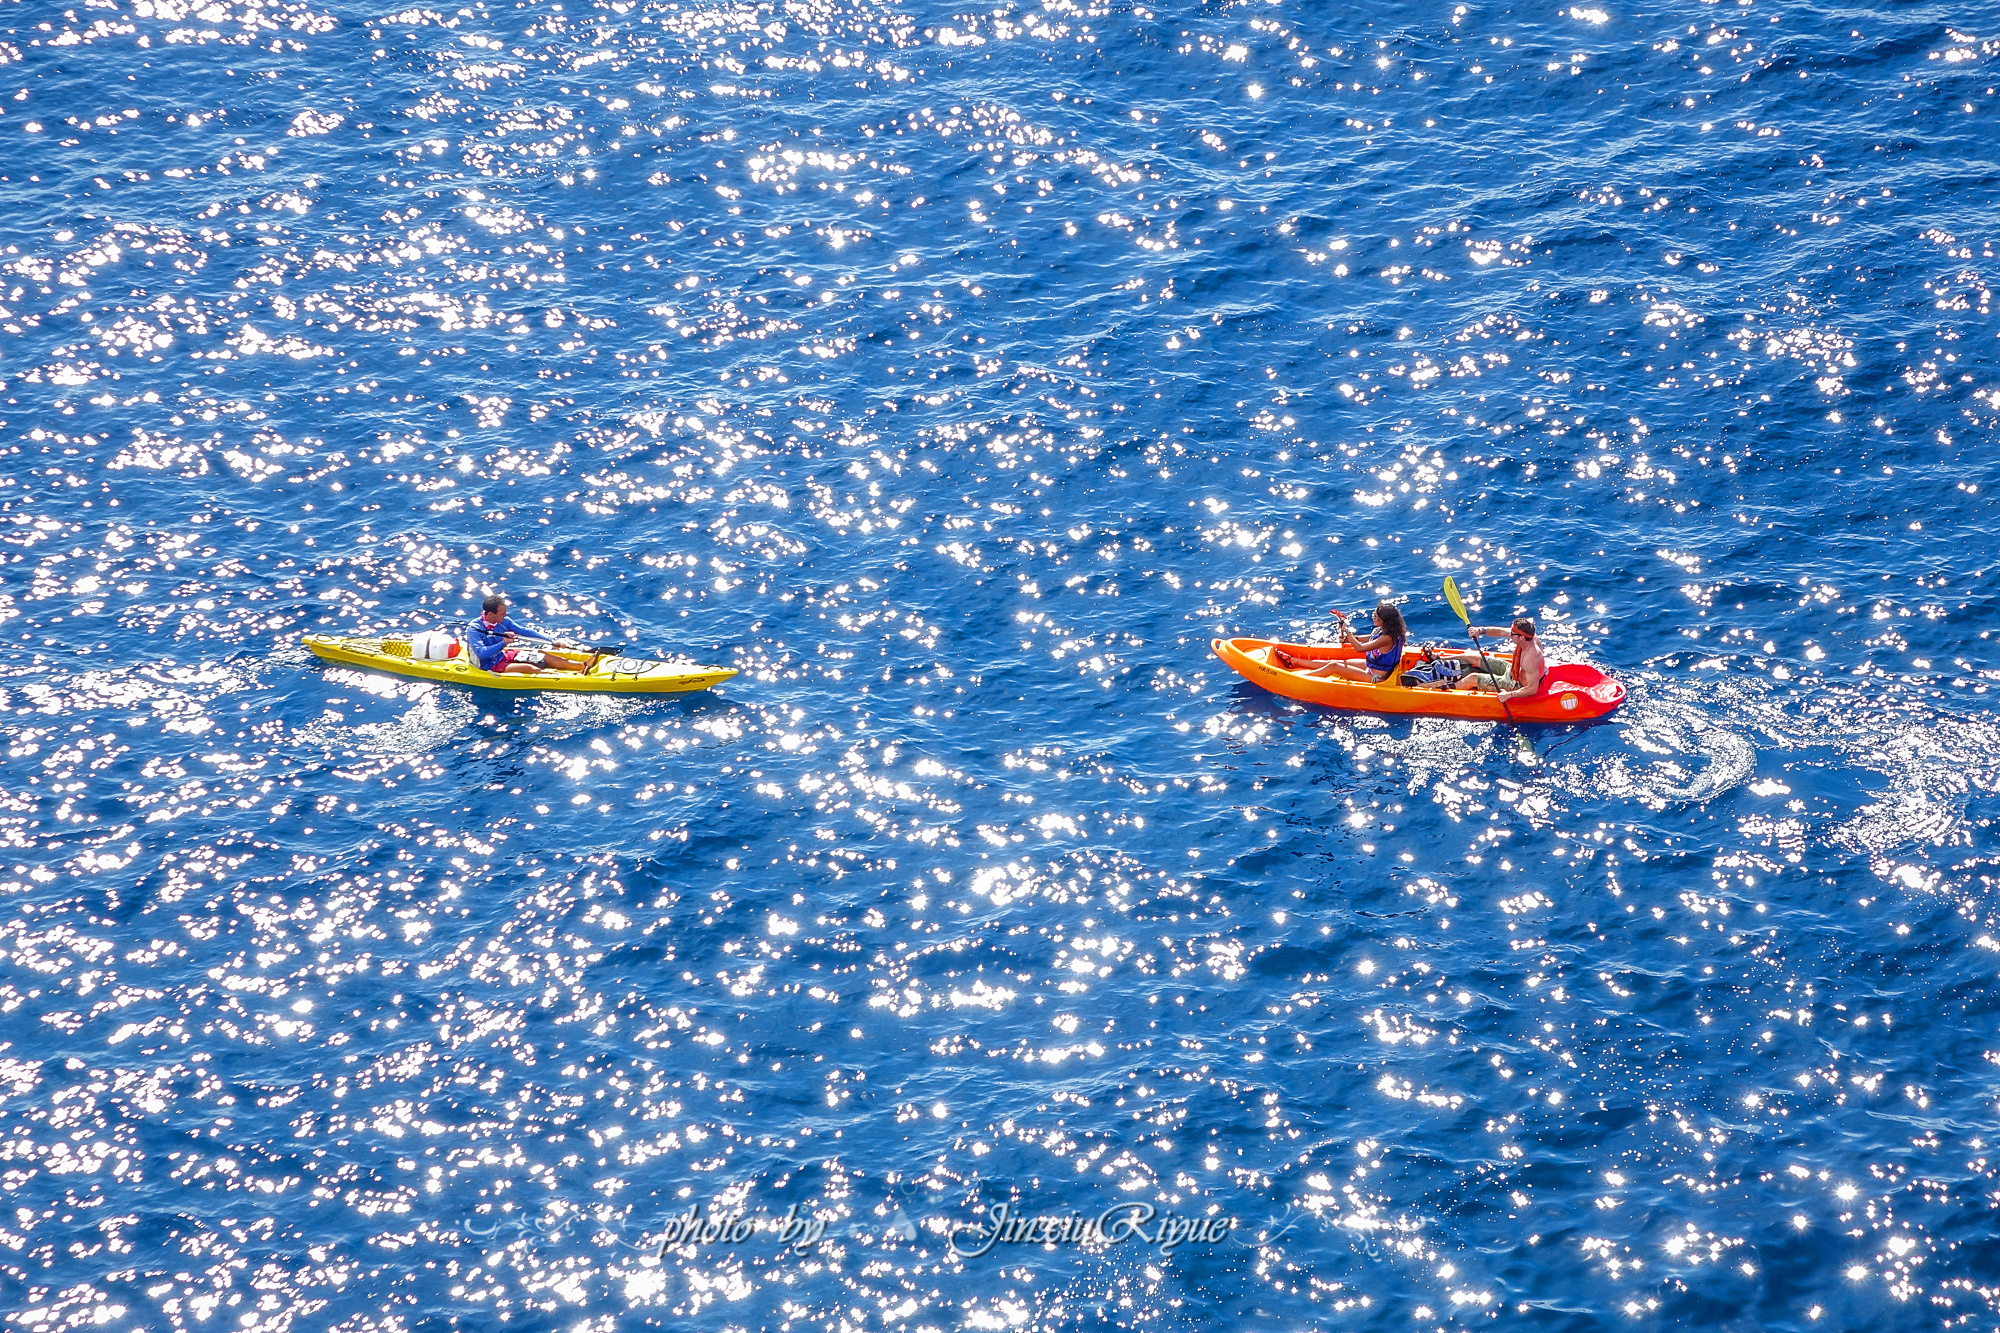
<point x="1324" y="670"/>
<point x="550" y="662"/>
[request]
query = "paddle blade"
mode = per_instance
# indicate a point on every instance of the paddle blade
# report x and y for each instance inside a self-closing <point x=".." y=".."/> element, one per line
<point x="1457" y="602"/>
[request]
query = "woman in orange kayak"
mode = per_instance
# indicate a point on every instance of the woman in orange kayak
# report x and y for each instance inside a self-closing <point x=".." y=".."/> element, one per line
<point x="1380" y="655"/>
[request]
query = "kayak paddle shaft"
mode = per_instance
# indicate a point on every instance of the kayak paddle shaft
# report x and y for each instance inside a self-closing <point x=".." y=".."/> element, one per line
<point x="1458" y="605"/>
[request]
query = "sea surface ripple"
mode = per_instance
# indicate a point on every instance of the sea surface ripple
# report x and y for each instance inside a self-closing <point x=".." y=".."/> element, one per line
<point x="957" y="375"/>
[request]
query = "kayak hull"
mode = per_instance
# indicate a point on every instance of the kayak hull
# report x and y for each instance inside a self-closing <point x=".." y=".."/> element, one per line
<point x="607" y="675"/>
<point x="1572" y="692"/>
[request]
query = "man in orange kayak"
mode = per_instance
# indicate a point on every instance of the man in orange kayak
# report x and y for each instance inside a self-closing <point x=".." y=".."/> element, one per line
<point x="1527" y="670"/>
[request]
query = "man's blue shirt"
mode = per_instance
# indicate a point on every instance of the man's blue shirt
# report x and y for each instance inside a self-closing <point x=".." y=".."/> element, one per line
<point x="489" y="641"/>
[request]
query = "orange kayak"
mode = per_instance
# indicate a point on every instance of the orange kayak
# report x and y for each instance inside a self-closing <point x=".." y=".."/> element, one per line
<point x="1571" y="692"/>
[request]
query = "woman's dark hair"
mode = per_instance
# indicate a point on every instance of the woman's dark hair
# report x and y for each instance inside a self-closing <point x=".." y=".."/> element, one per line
<point x="494" y="603"/>
<point x="1392" y="621"/>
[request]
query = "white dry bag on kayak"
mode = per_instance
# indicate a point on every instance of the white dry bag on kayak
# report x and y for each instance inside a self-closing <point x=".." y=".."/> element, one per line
<point x="433" y="646"/>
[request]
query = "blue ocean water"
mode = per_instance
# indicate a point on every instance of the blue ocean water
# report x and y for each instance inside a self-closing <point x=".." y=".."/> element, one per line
<point x="957" y="375"/>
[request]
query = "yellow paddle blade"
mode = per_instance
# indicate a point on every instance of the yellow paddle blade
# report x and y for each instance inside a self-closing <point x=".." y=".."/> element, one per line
<point x="1457" y="602"/>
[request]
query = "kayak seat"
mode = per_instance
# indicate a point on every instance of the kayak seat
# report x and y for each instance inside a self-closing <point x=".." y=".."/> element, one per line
<point x="1412" y="659"/>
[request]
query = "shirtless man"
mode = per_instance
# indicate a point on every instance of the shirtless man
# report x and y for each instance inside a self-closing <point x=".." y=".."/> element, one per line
<point x="491" y="636"/>
<point x="1527" y="671"/>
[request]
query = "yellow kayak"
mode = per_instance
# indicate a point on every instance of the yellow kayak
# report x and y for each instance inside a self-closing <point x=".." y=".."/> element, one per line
<point x="608" y="674"/>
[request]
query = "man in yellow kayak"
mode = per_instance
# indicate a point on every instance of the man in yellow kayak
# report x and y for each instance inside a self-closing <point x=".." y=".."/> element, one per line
<point x="1482" y="673"/>
<point x="491" y="636"/>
